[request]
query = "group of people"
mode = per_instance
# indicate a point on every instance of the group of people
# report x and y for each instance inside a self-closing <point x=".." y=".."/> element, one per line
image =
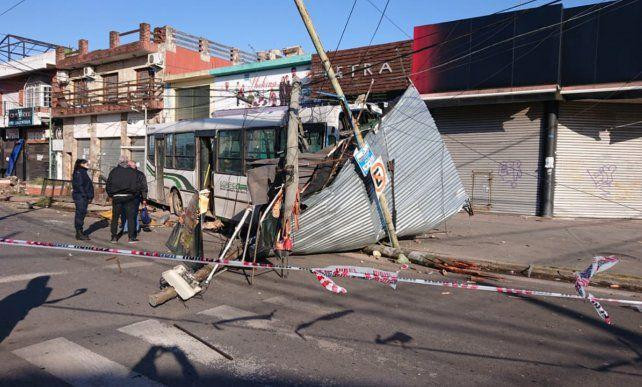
<point x="127" y="188"/>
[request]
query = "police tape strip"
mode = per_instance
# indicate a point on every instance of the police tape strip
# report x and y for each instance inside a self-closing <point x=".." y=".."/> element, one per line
<point x="386" y="277"/>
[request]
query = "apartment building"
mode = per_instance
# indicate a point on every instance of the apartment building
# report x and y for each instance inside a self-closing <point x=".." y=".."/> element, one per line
<point x="26" y="74"/>
<point x="106" y="97"/>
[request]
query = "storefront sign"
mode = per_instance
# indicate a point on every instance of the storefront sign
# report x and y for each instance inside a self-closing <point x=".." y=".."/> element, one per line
<point x="258" y="89"/>
<point x="21" y="117"/>
<point x="12" y="134"/>
<point x="387" y="64"/>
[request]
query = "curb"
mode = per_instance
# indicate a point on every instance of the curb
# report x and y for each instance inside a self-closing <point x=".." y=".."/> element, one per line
<point x="619" y="281"/>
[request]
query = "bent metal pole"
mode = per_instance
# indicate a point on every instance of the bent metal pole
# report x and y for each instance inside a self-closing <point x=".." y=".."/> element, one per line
<point x="383" y="202"/>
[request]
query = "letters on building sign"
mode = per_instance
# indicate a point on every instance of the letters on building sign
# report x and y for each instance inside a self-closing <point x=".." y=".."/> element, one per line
<point x="365" y="69"/>
<point x="21" y="117"/>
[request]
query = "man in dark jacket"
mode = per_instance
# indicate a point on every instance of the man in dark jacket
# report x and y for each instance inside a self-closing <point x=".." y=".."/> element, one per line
<point x="140" y="198"/>
<point x="83" y="194"/>
<point x="123" y="185"/>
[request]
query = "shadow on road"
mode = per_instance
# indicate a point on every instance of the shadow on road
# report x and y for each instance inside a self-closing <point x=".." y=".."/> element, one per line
<point x="248" y="318"/>
<point x="16" y="306"/>
<point x="327" y="317"/>
<point x="19" y="213"/>
<point x="147" y="364"/>
<point x="100" y="224"/>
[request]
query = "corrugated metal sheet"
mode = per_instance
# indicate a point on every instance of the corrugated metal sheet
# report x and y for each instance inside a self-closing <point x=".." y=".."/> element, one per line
<point x="598" y="171"/>
<point x="345" y="215"/>
<point x="497" y="146"/>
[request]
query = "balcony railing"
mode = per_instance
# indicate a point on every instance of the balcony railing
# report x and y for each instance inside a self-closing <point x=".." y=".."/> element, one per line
<point x="119" y="97"/>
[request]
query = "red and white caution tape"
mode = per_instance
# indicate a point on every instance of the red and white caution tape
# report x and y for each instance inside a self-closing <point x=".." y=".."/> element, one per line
<point x="582" y="279"/>
<point x="325" y="274"/>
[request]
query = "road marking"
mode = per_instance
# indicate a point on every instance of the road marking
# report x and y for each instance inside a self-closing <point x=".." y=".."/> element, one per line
<point x="157" y="333"/>
<point x="231" y="315"/>
<point x="79" y="366"/>
<point x="29" y="276"/>
<point x="301" y="305"/>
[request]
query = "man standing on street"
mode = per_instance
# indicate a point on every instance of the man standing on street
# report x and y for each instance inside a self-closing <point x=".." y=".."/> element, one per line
<point x="123" y="185"/>
<point x="140" y="197"/>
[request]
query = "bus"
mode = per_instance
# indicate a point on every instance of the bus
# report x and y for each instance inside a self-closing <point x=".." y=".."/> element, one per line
<point x="184" y="157"/>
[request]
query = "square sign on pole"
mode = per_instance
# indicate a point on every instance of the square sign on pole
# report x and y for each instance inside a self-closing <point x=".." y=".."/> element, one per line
<point x="365" y="158"/>
<point x="379" y="176"/>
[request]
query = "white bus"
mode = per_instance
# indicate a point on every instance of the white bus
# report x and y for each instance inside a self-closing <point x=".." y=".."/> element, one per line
<point x="180" y="154"/>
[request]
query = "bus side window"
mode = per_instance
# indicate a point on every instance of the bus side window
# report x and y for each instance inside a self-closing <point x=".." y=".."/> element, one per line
<point x="315" y="134"/>
<point x="261" y="144"/>
<point x="185" y="151"/>
<point x="169" y="151"/>
<point x="151" y="148"/>
<point x="333" y="134"/>
<point x="229" y="150"/>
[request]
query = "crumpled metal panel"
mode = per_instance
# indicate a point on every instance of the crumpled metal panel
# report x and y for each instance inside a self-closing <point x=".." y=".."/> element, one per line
<point x="427" y="188"/>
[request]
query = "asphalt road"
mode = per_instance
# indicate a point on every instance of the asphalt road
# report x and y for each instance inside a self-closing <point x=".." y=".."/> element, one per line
<point x="74" y="319"/>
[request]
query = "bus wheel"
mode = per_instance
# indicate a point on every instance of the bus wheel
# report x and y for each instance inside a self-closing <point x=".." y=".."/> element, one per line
<point x="177" y="203"/>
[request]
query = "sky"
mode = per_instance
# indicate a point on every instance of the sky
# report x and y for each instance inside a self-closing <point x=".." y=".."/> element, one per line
<point x="251" y="25"/>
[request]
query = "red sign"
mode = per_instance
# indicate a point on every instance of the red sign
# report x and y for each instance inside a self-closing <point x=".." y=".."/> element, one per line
<point x="379" y="176"/>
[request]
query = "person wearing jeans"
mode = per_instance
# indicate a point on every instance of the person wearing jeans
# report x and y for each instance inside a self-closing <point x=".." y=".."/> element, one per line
<point x="122" y="187"/>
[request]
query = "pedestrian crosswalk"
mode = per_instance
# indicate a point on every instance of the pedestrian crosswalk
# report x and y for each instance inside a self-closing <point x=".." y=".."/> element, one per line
<point x="68" y="360"/>
<point x="156" y="333"/>
<point x="79" y="366"/>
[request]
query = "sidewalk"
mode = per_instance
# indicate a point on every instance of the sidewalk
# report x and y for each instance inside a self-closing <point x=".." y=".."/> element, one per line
<point x="521" y="241"/>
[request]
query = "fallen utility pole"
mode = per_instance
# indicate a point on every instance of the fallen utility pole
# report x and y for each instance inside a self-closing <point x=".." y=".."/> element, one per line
<point x="383" y="203"/>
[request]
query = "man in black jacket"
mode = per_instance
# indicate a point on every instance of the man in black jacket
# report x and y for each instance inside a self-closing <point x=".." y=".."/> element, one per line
<point x="123" y="186"/>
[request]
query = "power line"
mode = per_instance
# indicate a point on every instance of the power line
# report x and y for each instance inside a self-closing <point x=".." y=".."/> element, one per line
<point x="391" y="21"/>
<point x="12" y="7"/>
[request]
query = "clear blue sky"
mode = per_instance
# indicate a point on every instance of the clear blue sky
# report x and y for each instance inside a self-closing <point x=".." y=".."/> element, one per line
<point x="264" y="24"/>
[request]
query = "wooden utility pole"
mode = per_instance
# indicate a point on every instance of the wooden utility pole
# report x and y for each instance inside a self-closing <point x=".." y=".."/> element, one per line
<point x="292" y="153"/>
<point x="383" y="203"/>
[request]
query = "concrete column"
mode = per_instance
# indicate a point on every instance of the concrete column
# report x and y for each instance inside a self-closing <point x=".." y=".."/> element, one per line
<point x="145" y="33"/>
<point x="69" y="147"/>
<point x="124" y="138"/>
<point x="94" y="149"/>
<point x="114" y="39"/>
<point x="83" y="46"/>
<point x="234" y="55"/>
<point x="547" y="158"/>
<point x="203" y="49"/>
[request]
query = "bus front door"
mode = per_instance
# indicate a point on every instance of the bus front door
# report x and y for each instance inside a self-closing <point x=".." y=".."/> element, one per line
<point x="160" y="176"/>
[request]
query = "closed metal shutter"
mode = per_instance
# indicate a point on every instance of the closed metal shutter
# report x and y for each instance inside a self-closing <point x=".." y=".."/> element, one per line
<point x="82" y="149"/>
<point x="138" y="155"/>
<point x="37" y="161"/>
<point x="496" y="151"/>
<point x="109" y="155"/>
<point x="599" y="157"/>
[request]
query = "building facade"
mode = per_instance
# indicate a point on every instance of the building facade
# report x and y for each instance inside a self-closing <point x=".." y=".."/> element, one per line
<point x="540" y="108"/>
<point x="25" y="106"/>
<point x="105" y="98"/>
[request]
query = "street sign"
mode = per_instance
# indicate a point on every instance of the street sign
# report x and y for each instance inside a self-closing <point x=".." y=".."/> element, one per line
<point x="379" y="176"/>
<point x="365" y="158"/>
<point x="21" y="117"/>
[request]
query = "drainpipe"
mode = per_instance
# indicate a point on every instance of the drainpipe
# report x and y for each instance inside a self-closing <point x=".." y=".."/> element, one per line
<point x="549" y="144"/>
<point x="50" y="148"/>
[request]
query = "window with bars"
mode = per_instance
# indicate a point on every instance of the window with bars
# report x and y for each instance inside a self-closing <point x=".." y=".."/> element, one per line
<point x="37" y="96"/>
<point x="193" y="103"/>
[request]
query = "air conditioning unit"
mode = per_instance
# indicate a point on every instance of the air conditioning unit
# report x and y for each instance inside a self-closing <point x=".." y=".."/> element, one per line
<point x="156" y="60"/>
<point x="88" y="72"/>
<point x="63" y="77"/>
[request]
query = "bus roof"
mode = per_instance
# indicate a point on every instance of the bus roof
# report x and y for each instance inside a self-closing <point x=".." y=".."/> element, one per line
<point x="226" y="119"/>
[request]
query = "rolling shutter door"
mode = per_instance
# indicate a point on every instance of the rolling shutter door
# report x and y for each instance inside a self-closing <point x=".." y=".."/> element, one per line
<point x="138" y="155"/>
<point x="496" y="151"/>
<point x="109" y="155"/>
<point x="598" y="168"/>
<point x="82" y="149"/>
<point x="38" y="161"/>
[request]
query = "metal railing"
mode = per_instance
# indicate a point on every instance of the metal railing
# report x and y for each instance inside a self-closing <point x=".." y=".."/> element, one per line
<point x="132" y="93"/>
<point x="192" y="42"/>
<point x="52" y="188"/>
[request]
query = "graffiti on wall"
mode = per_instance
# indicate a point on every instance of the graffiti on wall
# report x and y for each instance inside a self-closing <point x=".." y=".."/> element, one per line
<point x="603" y="178"/>
<point x="510" y="172"/>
